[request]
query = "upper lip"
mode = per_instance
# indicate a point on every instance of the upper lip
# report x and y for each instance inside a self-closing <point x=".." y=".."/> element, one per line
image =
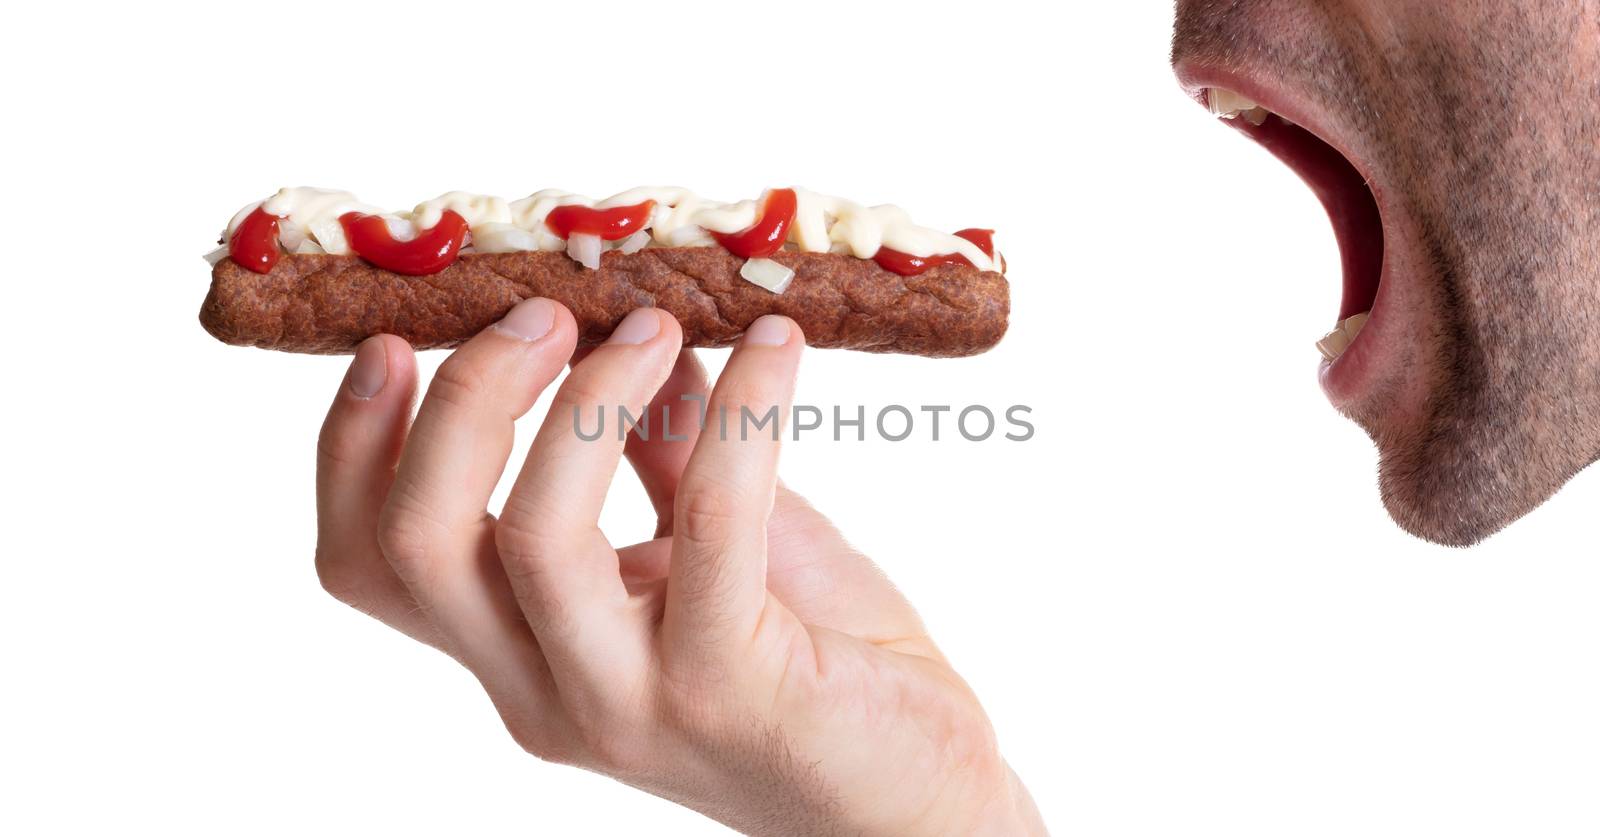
<point x="1197" y="78"/>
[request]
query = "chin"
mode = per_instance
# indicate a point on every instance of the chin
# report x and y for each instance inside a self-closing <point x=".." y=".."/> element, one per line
<point x="1428" y="499"/>
<point x="1457" y="478"/>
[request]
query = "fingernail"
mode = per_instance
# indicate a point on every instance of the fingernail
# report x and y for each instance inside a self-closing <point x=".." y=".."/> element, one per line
<point x="637" y="328"/>
<point x="370" y="370"/>
<point x="530" y="320"/>
<point x="771" y="330"/>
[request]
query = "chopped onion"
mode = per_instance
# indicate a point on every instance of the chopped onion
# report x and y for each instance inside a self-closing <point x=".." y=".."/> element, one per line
<point x="401" y="228"/>
<point x="768" y="274"/>
<point x="689" y="236"/>
<point x="308" y="247"/>
<point x="290" y="234"/>
<point x="503" y="238"/>
<point x="216" y="255"/>
<point x="634" y="243"/>
<point x="585" y="249"/>
<point x="330" y="234"/>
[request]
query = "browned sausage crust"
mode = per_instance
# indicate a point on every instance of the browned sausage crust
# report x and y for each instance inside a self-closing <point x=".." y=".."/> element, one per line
<point x="329" y="304"/>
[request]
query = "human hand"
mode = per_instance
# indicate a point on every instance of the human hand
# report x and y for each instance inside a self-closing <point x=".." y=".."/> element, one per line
<point x="746" y="662"/>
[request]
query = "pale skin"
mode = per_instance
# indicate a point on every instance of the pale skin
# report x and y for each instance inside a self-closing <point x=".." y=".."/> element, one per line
<point x="747" y="662"/>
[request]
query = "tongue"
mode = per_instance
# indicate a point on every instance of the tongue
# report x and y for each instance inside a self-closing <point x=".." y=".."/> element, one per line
<point x="1344" y="194"/>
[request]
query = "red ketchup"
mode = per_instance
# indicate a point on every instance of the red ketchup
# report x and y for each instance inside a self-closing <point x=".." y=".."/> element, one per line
<point x="983" y="238"/>
<point x="254" y="244"/>
<point x="905" y="264"/>
<point x="433" y="250"/>
<point x="985" y="241"/>
<point x="770" y="230"/>
<point x="610" y="224"/>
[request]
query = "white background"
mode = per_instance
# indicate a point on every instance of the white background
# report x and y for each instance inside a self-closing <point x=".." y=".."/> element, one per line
<point x="1182" y="602"/>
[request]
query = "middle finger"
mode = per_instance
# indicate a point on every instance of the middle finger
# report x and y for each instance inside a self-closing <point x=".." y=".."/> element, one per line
<point x="564" y="572"/>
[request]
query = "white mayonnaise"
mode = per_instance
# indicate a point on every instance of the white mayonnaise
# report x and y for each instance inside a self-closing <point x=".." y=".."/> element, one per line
<point x="822" y="224"/>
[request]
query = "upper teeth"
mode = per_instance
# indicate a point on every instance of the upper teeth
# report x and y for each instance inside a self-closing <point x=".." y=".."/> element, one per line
<point x="1340" y="338"/>
<point x="1230" y="105"/>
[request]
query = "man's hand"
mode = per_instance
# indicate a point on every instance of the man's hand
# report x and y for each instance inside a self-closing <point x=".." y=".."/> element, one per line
<point x="746" y="663"/>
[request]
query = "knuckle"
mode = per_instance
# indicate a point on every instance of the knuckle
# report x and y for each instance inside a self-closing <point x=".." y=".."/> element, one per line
<point x="338" y="578"/>
<point x="525" y="540"/>
<point x="459" y="382"/>
<point x="706" y="514"/>
<point x="736" y="394"/>
<point x="602" y="744"/>
<point x="544" y="743"/>
<point x="530" y="557"/>
<point x="706" y="526"/>
<point x="334" y="447"/>
<point x="579" y="392"/>
<point x="406" y="540"/>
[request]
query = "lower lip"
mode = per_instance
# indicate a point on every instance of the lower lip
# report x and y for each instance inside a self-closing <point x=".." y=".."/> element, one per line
<point x="1344" y="378"/>
<point x="1353" y="375"/>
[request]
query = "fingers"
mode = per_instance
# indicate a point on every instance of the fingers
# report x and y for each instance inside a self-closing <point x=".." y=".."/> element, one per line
<point x="675" y="413"/>
<point x="435" y="529"/>
<point x="659" y="452"/>
<point x="716" y="588"/>
<point x="564" y="572"/>
<point x="356" y="455"/>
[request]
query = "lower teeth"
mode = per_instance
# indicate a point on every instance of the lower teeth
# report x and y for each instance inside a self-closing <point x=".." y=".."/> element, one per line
<point x="1340" y="338"/>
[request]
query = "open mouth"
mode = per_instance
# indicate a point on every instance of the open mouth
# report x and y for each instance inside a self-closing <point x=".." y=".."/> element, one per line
<point x="1350" y="202"/>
